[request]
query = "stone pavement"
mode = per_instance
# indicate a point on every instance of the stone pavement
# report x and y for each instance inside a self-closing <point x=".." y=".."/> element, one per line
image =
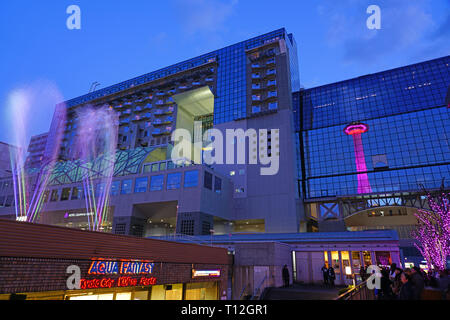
<point x="303" y="292"/>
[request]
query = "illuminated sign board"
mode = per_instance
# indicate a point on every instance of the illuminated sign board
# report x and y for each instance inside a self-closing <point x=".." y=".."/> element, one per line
<point x="126" y="268"/>
<point x="120" y="282"/>
<point x="121" y="267"/>
<point x="205" y="273"/>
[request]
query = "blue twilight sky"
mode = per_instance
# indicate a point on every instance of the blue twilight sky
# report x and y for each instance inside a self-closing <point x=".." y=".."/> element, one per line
<point x="121" y="39"/>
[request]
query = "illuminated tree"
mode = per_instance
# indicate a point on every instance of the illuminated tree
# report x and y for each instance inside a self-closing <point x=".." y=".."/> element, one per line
<point x="432" y="232"/>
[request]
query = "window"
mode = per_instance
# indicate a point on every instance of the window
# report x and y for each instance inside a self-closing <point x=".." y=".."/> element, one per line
<point x="157" y="183"/>
<point x="147" y="168"/>
<point x="191" y="179"/>
<point x="207" y="181"/>
<point x="141" y="185"/>
<point x="173" y="181"/>
<point x="256" y="86"/>
<point x="217" y="185"/>
<point x="272" y="93"/>
<point x="99" y="188"/>
<point x="65" y="194"/>
<point x="187" y="227"/>
<point x="256" y="109"/>
<point x="155" y="167"/>
<point x="241" y="172"/>
<point x="126" y="186"/>
<point x="76" y="193"/>
<point x="10" y="200"/>
<point x="273" y="105"/>
<point x="55" y="195"/>
<point x="115" y="186"/>
<point x="256" y="97"/>
<point x="162" y="166"/>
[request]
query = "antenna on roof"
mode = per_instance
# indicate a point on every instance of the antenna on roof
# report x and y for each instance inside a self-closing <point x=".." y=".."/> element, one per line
<point x="93" y="86"/>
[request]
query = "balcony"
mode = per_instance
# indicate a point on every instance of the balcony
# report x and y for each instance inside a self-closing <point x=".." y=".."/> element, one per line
<point x="271" y="83"/>
<point x="148" y="106"/>
<point x="271" y="62"/>
<point x="272" y="94"/>
<point x="273" y="106"/>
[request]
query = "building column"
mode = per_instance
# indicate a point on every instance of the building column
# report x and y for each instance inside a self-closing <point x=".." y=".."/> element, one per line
<point x="373" y="257"/>
<point x="341" y="268"/>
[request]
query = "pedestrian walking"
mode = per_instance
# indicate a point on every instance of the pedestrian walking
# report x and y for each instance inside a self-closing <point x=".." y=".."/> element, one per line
<point x="407" y="289"/>
<point x="331" y="276"/>
<point x="325" y="275"/>
<point x="362" y="273"/>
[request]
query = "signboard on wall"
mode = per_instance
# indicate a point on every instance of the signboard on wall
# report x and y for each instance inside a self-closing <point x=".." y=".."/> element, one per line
<point x="127" y="269"/>
<point x="205" y="273"/>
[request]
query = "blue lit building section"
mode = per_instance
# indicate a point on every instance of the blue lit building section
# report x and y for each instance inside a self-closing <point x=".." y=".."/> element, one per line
<point x="407" y="146"/>
<point x="230" y="102"/>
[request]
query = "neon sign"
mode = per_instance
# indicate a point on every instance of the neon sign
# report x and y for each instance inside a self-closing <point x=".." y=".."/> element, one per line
<point x="122" y="267"/>
<point x="205" y="273"/>
<point x="119" y="282"/>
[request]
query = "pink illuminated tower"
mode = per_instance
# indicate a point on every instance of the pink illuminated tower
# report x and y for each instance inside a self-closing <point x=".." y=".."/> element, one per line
<point x="355" y="129"/>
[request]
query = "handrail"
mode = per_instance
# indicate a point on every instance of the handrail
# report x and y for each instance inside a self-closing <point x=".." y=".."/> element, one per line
<point x="243" y="289"/>
<point x="258" y="288"/>
<point x="182" y="237"/>
<point x="360" y="289"/>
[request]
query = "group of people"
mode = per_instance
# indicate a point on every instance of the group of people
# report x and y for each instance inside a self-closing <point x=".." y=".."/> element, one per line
<point x="408" y="284"/>
<point x="328" y="276"/>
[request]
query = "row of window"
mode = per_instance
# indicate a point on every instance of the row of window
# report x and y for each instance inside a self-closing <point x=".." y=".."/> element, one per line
<point x="141" y="185"/>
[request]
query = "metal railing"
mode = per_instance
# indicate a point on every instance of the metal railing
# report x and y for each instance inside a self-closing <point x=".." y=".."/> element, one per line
<point x="258" y="289"/>
<point x="183" y="238"/>
<point x="243" y="290"/>
<point x="359" y="292"/>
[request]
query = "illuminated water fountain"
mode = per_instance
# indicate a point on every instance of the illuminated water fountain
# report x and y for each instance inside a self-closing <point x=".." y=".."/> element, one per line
<point x="29" y="195"/>
<point x="95" y="148"/>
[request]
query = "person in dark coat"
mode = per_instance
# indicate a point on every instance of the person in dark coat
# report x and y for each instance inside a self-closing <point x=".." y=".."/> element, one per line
<point x="407" y="289"/>
<point x="397" y="283"/>
<point x="417" y="282"/>
<point x="325" y="275"/>
<point x="285" y="274"/>
<point x="363" y="273"/>
<point x="331" y="276"/>
<point x="386" y="290"/>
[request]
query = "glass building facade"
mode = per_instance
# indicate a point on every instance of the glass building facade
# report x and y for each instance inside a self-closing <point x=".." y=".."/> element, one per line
<point x="406" y="146"/>
<point x="231" y="99"/>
